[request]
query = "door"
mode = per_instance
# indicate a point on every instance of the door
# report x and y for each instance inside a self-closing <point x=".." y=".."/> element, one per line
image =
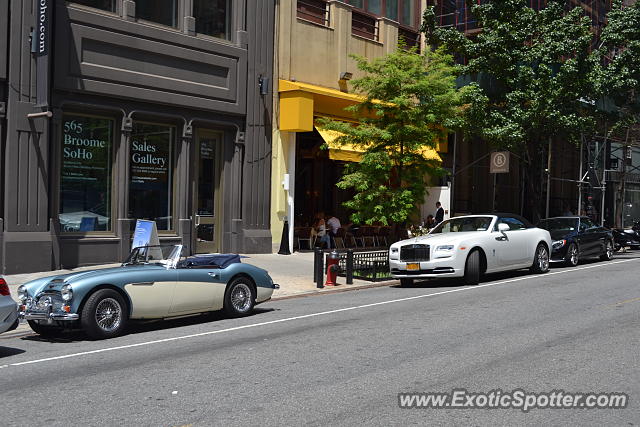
<point x="207" y="231"/>
<point x="198" y="290"/>
<point x="588" y="238"/>
<point x="514" y="244"/>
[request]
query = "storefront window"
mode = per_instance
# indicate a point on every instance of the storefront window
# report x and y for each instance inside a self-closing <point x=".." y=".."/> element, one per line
<point x="213" y="17"/>
<point x="151" y="172"/>
<point x="109" y="5"/>
<point x="161" y="11"/>
<point x="85" y="182"/>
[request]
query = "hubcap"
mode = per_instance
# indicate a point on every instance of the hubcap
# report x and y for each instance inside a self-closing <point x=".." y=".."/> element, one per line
<point x="241" y="297"/>
<point x="609" y="250"/>
<point x="543" y="259"/>
<point x="574" y="255"/>
<point x="108" y="314"/>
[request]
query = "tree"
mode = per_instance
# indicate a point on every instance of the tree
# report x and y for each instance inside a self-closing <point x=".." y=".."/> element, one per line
<point x="409" y="99"/>
<point x="536" y="68"/>
<point x="619" y="81"/>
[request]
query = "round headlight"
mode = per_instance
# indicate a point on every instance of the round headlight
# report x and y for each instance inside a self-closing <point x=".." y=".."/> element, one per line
<point x="22" y="293"/>
<point x="66" y="292"/>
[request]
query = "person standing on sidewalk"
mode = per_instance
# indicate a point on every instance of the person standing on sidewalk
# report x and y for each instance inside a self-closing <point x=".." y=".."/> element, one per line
<point x="334" y="224"/>
<point x="439" y="216"/>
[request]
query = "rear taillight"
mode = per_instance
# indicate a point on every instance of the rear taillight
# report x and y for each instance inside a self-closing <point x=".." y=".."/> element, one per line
<point x="4" y="288"/>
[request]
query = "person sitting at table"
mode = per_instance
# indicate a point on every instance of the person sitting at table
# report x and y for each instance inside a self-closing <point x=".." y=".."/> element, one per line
<point x="320" y="230"/>
<point x="430" y="222"/>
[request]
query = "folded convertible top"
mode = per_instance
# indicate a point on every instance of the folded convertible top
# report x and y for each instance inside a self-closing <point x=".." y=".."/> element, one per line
<point x="220" y="260"/>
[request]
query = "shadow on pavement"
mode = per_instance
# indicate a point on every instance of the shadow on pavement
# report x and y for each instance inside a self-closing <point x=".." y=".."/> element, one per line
<point x="137" y="327"/>
<point x="9" y="351"/>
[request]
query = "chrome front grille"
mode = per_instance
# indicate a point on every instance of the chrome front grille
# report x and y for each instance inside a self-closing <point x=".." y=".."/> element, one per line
<point x="45" y="300"/>
<point x="414" y="253"/>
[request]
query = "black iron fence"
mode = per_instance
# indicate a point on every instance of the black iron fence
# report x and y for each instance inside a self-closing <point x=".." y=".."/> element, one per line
<point x="366" y="265"/>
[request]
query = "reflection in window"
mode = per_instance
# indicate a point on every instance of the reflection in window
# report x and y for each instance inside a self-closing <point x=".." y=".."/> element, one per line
<point x="85" y="181"/>
<point x="151" y="172"/>
<point x="161" y="11"/>
<point x="375" y="7"/>
<point x="392" y="9"/>
<point x="213" y="17"/>
<point x="109" y="5"/>
<point x="407" y="16"/>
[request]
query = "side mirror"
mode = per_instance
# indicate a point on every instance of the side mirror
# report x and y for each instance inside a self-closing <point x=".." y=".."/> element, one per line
<point x="502" y="227"/>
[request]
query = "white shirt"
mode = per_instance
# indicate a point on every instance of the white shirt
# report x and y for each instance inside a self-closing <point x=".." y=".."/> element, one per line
<point x="334" y="224"/>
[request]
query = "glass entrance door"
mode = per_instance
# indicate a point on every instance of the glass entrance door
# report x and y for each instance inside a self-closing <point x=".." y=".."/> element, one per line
<point x="207" y="189"/>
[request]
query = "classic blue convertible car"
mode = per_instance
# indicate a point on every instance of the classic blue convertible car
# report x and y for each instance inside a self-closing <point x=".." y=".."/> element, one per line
<point x="155" y="282"/>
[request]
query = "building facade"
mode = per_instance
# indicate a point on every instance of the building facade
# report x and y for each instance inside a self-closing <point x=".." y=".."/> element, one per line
<point x="315" y="39"/>
<point x="118" y="110"/>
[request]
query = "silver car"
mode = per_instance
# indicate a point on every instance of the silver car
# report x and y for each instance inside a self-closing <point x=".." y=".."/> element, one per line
<point x="8" y="309"/>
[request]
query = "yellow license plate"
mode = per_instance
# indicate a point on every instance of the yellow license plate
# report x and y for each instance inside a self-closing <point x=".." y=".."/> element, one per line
<point x="413" y="266"/>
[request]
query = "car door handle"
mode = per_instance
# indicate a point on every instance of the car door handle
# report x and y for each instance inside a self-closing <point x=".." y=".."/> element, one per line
<point x="212" y="274"/>
<point x="501" y="238"/>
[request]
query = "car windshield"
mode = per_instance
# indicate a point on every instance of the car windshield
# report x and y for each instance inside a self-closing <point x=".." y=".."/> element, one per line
<point x="161" y="254"/>
<point x="465" y="223"/>
<point x="555" y="224"/>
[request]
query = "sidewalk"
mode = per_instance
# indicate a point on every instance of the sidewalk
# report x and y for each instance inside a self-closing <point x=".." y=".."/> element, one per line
<point x="294" y="274"/>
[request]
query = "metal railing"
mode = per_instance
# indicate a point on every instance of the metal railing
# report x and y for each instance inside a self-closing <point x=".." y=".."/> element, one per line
<point x="372" y="266"/>
<point x="316" y="11"/>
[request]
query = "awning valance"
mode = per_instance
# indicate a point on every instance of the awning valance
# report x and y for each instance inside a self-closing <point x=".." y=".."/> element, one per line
<point x="350" y="153"/>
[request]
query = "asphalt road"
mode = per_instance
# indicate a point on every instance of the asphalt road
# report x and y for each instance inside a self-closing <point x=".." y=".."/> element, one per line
<point x="342" y="359"/>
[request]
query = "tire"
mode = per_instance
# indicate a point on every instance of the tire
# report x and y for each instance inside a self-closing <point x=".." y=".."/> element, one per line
<point x="472" y="268"/>
<point x="104" y="315"/>
<point x="240" y="297"/>
<point x="45" y="331"/>
<point x="540" y="260"/>
<point x="406" y="283"/>
<point x="608" y="251"/>
<point x="572" y="257"/>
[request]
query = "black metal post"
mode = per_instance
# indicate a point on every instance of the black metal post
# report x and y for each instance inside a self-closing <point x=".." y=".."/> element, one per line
<point x="349" y="266"/>
<point x="319" y="269"/>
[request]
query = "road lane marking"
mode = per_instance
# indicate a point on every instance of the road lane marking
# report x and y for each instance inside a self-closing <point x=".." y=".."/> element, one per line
<point x="624" y="302"/>
<point x="322" y="313"/>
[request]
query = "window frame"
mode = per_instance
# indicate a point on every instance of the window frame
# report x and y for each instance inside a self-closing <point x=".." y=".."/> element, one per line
<point x="415" y="26"/>
<point x="113" y="209"/>
<point x="171" y="231"/>
<point x="115" y="11"/>
<point x="179" y="14"/>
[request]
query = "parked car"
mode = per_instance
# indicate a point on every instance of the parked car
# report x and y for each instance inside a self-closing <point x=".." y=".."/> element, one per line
<point x="626" y="238"/>
<point x="577" y="237"/>
<point x="469" y="246"/>
<point x="155" y="282"/>
<point x="8" y="309"/>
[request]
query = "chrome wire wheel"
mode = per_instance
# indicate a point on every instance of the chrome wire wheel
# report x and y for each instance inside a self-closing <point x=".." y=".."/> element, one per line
<point x="608" y="251"/>
<point x="108" y="314"/>
<point x="542" y="258"/>
<point x="241" y="298"/>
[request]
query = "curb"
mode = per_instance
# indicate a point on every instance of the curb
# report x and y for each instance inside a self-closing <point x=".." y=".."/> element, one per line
<point x="348" y="288"/>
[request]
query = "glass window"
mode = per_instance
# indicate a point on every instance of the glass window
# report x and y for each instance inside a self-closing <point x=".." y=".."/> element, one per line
<point x="161" y="11"/>
<point x="375" y="7"/>
<point x="85" y="182"/>
<point x="513" y="223"/>
<point x="213" y="17"/>
<point x="392" y="9"/>
<point x="586" y="223"/>
<point x="407" y="14"/>
<point x="109" y="5"/>
<point x="357" y="3"/>
<point x="465" y="223"/>
<point x="151" y="173"/>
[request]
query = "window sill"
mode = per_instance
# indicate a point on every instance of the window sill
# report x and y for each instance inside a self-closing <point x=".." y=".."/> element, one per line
<point x="367" y="39"/>
<point x="315" y="24"/>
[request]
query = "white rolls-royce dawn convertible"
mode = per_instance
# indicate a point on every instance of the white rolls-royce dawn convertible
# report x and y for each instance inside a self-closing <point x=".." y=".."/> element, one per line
<point x="469" y="246"/>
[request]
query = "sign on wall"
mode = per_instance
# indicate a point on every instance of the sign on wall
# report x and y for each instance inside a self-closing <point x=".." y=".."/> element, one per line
<point x="499" y="162"/>
<point x="41" y="47"/>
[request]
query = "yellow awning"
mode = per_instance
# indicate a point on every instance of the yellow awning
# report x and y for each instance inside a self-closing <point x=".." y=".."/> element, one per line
<point x="350" y="153"/>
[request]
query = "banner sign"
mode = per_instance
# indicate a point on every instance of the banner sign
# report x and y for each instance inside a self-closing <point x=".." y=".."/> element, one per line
<point x="499" y="162"/>
<point x="146" y="234"/>
<point x="41" y="47"/>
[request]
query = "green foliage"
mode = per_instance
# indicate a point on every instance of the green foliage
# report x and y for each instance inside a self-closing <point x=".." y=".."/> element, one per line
<point x="619" y="78"/>
<point x="408" y="99"/>
<point x="536" y="75"/>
